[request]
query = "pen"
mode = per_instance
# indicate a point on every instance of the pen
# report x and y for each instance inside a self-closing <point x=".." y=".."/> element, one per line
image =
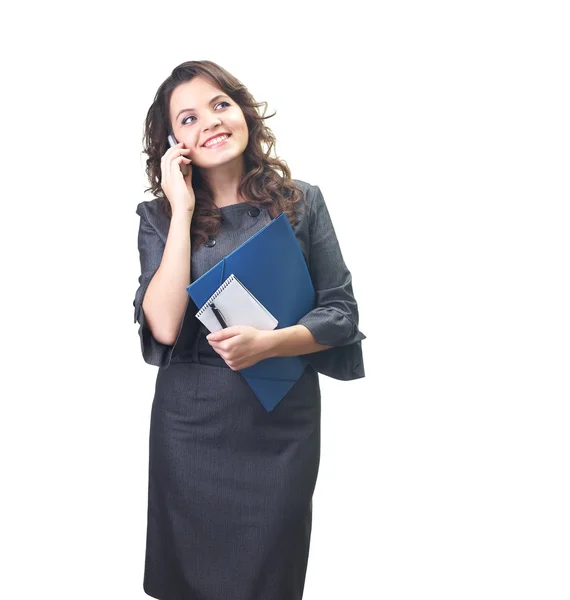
<point x="218" y="314"/>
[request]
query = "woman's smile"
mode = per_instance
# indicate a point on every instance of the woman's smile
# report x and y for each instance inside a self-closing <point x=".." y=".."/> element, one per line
<point x="218" y="141"/>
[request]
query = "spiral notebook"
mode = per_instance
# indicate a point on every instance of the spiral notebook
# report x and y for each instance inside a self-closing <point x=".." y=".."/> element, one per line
<point x="237" y="305"/>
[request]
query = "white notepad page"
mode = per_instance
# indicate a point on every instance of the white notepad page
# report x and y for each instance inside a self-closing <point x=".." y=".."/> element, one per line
<point x="238" y="307"/>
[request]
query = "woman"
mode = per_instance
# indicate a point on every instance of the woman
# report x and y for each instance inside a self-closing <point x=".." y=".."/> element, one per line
<point x="230" y="484"/>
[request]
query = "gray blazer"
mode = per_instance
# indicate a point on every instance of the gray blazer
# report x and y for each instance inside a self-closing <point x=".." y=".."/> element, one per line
<point x="334" y="320"/>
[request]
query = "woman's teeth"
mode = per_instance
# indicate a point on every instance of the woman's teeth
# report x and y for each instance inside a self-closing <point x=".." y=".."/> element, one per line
<point x="216" y="141"/>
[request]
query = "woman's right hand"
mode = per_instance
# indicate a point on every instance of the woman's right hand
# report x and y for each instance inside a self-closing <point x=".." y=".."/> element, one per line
<point x="177" y="187"/>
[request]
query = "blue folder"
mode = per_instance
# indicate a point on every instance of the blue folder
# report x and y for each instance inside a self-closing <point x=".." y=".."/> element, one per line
<point x="272" y="267"/>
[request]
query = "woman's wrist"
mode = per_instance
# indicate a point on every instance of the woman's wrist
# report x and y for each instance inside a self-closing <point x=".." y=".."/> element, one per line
<point x="291" y="341"/>
<point x="179" y="215"/>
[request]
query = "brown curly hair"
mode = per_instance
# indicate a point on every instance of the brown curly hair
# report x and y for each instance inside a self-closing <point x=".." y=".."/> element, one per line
<point x="261" y="184"/>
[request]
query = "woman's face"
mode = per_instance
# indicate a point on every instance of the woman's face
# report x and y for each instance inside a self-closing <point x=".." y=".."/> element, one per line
<point x="197" y="114"/>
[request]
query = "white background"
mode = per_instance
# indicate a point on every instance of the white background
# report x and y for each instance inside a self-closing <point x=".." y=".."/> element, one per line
<point x="439" y="135"/>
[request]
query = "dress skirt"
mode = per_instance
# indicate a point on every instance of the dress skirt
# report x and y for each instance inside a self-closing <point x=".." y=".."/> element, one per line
<point x="230" y="484"/>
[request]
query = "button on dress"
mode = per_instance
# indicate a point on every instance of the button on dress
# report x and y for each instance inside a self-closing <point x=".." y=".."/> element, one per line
<point x="230" y="484"/>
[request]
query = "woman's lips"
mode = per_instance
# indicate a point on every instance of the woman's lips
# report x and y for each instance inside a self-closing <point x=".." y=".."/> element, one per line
<point x="217" y="145"/>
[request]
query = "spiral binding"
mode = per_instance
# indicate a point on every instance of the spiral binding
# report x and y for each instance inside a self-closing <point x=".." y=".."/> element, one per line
<point x="215" y="295"/>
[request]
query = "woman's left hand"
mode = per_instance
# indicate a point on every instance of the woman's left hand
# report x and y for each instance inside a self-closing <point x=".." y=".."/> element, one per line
<point x="241" y="346"/>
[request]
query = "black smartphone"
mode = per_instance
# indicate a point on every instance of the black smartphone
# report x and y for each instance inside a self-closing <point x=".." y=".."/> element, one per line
<point x="183" y="166"/>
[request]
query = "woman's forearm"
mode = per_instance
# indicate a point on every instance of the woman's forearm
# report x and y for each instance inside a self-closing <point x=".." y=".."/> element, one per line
<point x="293" y="341"/>
<point x="166" y="298"/>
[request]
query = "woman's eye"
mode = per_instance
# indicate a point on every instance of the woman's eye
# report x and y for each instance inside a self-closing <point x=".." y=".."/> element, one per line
<point x="193" y="117"/>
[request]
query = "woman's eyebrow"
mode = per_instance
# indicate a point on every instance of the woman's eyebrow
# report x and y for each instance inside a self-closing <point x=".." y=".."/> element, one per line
<point x="212" y="100"/>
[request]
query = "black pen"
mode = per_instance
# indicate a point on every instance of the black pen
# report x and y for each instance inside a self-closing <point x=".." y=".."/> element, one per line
<point x="218" y="314"/>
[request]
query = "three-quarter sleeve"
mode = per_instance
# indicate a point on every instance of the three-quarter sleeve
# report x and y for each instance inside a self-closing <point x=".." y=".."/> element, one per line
<point x="151" y="248"/>
<point x="334" y="320"/>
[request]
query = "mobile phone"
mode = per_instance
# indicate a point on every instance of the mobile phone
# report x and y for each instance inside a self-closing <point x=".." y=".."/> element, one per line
<point x="172" y="141"/>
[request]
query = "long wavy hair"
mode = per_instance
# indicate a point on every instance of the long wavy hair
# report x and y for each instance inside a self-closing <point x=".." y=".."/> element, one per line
<point x="261" y="184"/>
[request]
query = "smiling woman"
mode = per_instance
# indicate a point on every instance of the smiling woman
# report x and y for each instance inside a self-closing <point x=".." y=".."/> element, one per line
<point x="232" y="137"/>
<point x="230" y="484"/>
<point x="201" y="100"/>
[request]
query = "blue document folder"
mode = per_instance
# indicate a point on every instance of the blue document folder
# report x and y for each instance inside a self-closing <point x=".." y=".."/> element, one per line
<point x="271" y="265"/>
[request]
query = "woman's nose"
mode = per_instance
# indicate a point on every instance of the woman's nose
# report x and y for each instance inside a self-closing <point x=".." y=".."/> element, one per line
<point x="214" y="123"/>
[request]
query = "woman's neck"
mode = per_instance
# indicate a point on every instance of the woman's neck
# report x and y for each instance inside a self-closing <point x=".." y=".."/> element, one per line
<point x="223" y="182"/>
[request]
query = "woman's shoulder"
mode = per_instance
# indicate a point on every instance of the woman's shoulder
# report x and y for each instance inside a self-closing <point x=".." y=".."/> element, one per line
<point x="311" y="192"/>
<point x="306" y="187"/>
<point x="153" y="212"/>
<point x="148" y="207"/>
<point x="315" y="201"/>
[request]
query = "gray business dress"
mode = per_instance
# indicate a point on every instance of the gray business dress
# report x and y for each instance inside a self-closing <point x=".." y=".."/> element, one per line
<point x="230" y="484"/>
